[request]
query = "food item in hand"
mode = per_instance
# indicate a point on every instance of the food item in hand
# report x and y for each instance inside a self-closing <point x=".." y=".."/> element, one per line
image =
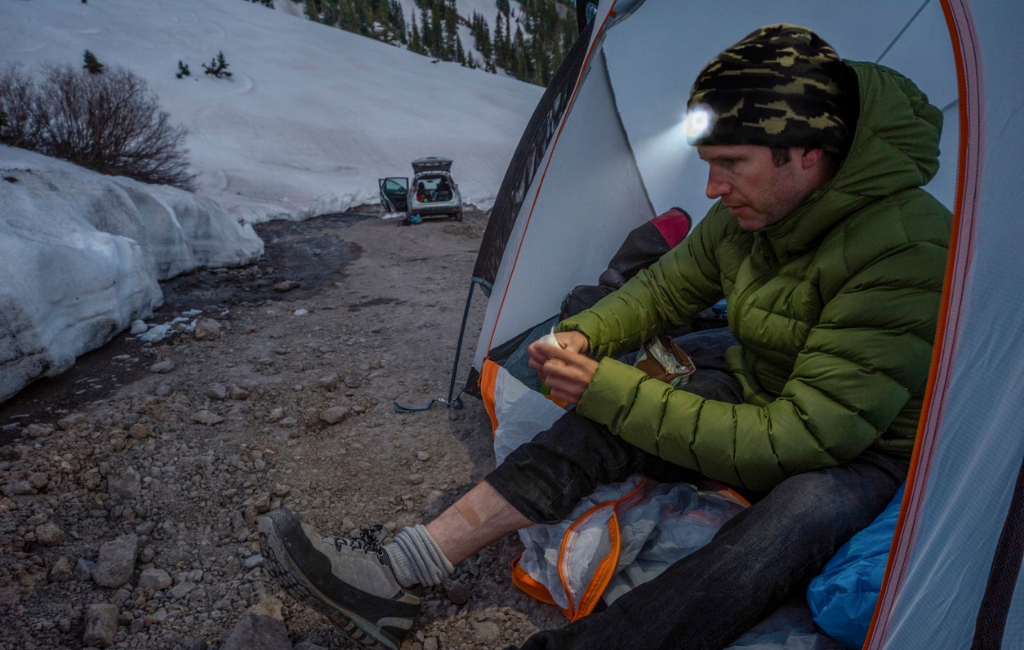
<point x="549" y="339"/>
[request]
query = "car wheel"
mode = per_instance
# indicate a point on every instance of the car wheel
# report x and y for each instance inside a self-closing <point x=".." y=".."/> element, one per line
<point x="458" y="216"/>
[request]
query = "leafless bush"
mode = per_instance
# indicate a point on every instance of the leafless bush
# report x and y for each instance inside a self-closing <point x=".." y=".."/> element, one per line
<point x="110" y="123"/>
<point x="17" y="103"/>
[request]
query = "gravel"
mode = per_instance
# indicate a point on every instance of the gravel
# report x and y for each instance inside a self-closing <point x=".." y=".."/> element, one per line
<point x="129" y="521"/>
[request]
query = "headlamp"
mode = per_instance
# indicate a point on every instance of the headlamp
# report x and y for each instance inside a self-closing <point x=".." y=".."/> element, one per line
<point x="698" y="122"/>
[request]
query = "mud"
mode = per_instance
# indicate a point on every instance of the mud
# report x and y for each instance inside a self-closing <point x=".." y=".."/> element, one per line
<point x="312" y="253"/>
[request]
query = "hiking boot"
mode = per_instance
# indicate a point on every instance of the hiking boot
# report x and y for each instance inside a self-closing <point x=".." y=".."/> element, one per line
<point x="347" y="579"/>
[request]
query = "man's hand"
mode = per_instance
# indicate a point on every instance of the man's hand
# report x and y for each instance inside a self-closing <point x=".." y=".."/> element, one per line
<point x="539" y="351"/>
<point x="564" y="368"/>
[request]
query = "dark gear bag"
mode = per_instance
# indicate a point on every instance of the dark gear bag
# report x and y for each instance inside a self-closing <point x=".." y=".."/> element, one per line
<point x="643" y="246"/>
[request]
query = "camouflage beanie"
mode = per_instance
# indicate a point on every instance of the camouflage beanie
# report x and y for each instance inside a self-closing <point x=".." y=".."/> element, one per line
<point x="781" y="86"/>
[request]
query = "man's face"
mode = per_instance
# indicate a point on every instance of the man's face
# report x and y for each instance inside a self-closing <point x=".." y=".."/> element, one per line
<point x="756" y="191"/>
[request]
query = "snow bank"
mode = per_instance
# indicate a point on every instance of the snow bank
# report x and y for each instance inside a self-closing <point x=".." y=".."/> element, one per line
<point x="184" y="231"/>
<point x="81" y="254"/>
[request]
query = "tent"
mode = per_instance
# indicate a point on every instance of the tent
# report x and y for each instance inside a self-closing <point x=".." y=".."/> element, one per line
<point x="603" y="153"/>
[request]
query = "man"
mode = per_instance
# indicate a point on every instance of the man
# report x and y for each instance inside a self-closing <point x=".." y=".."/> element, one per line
<point x="831" y="258"/>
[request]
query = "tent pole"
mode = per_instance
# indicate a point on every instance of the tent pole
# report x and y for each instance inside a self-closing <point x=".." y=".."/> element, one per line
<point x="453" y="401"/>
<point x="457" y="402"/>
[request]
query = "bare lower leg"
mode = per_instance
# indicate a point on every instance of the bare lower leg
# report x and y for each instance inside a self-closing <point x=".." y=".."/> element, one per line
<point x="478" y="519"/>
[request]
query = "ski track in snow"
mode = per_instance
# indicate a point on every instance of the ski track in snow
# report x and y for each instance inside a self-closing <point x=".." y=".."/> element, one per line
<point x="209" y="21"/>
<point x="223" y="182"/>
<point x="283" y="164"/>
<point x="249" y="84"/>
<point x="26" y="45"/>
<point x="181" y="23"/>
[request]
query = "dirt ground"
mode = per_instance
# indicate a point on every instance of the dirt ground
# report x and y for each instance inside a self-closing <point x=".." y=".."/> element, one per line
<point x="287" y="399"/>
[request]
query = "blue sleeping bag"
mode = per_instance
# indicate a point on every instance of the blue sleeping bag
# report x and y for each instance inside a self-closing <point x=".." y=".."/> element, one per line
<point x="843" y="597"/>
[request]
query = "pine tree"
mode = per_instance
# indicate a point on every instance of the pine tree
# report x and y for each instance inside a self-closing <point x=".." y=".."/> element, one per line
<point x="403" y="35"/>
<point x="437" y="48"/>
<point x="499" y="43"/>
<point x="538" y="55"/>
<point x="222" y="64"/>
<point x="183" y="70"/>
<point x="218" y="67"/>
<point x="426" y="35"/>
<point x="415" y="43"/>
<point x="396" y="19"/>
<point x="313" y="11"/>
<point x="451" y="32"/>
<point x="481" y="37"/>
<point x="347" y="19"/>
<point x="92" y="64"/>
<point x="508" y="32"/>
<point x="519" y="60"/>
<point x="330" y="12"/>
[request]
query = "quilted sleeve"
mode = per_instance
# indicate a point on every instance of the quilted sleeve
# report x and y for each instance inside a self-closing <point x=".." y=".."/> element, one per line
<point x="666" y="294"/>
<point x="861" y="364"/>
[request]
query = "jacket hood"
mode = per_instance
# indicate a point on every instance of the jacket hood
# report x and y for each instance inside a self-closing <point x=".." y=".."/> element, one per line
<point x="896" y="142"/>
<point x="895" y="147"/>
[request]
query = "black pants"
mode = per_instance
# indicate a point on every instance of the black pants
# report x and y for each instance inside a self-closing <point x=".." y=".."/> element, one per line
<point x="756" y="560"/>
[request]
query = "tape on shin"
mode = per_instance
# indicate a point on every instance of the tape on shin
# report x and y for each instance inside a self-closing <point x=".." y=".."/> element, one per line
<point x="468" y="513"/>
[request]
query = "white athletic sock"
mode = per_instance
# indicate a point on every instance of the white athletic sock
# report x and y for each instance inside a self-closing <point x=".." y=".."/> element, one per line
<point x="416" y="558"/>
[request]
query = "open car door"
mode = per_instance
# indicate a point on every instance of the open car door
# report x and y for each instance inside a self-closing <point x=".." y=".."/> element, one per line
<point x="394" y="193"/>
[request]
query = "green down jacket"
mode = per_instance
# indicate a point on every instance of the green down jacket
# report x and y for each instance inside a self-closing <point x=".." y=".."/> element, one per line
<point x="834" y="308"/>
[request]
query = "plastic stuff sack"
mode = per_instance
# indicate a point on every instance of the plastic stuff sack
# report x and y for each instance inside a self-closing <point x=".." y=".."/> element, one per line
<point x="843" y="597"/>
<point x="620" y="536"/>
<point x="789" y="627"/>
<point x="521" y="414"/>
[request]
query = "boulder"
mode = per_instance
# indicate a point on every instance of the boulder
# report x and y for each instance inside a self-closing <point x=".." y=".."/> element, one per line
<point x="100" y="625"/>
<point x="49" y="534"/>
<point x="207" y="329"/>
<point x="116" y="562"/>
<point x="334" y="415"/>
<point x="155" y="579"/>
<point x="260" y="628"/>
<point x="124" y="483"/>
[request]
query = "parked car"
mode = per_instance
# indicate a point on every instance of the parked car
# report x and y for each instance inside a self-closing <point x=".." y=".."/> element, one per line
<point x="432" y="193"/>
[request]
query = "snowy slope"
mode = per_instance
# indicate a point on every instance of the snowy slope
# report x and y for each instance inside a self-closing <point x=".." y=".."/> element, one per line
<point x="312" y="115"/>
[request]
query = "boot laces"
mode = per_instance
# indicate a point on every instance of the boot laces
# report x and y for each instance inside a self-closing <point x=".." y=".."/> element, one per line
<point x="368" y="540"/>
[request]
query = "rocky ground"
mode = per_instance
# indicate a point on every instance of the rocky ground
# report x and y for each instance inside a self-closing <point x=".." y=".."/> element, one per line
<point x="131" y="485"/>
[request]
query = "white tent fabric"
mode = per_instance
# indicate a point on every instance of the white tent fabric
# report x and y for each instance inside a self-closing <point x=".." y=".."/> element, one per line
<point x="972" y="445"/>
<point x="590" y="180"/>
<point x="967" y="56"/>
